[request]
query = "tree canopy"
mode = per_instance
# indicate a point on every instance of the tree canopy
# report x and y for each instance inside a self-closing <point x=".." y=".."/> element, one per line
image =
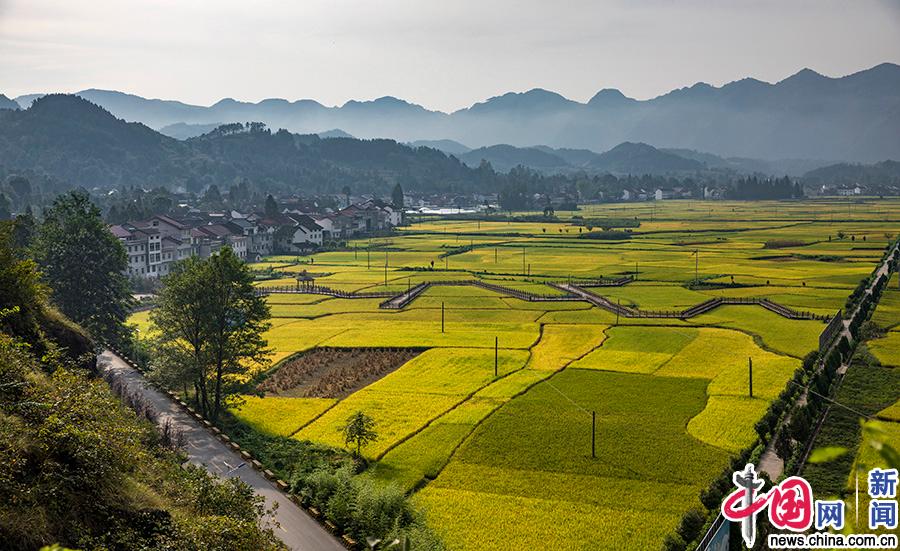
<point x="84" y="265"/>
<point x="210" y="322"/>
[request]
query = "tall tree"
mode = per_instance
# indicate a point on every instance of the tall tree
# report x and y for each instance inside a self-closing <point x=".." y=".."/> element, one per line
<point x="5" y="207"/>
<point x="211" y="323"/>
<point x="23" y="230"/>
<point x="397" y="197"/>
<point x="271" y="206"/>
<point x="84" y="264"/>
<point x="359" y="430"/>
<point x="235" y="322"/>
<point x="182" y="307"/>
<point x="213" y="197"/>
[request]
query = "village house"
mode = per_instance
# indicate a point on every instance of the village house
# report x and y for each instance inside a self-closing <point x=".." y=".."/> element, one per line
<point x="155" y="244"/>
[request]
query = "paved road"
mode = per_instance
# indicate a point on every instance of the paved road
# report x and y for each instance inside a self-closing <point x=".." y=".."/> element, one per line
<point x="297" y="529"/>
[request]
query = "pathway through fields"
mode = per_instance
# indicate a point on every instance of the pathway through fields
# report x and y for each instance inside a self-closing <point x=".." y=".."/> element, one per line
<point x="296" y="529"/>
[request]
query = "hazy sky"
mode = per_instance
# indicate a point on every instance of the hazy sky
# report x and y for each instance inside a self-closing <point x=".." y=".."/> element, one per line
<point x="443" y="55"/>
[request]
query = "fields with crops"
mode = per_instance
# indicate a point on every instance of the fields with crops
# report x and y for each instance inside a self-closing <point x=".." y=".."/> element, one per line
<point x="496" y="443"/>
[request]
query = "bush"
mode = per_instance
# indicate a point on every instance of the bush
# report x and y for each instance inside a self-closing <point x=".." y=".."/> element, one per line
<point x="674" y="542"/>
<point x="607" y="235"/>
<point x="378" y="509"/>
<point x="800" y="424"/>
<point x="784" y="445"/>
<point x="782" y="244"/>
<point x="691" y="523"/>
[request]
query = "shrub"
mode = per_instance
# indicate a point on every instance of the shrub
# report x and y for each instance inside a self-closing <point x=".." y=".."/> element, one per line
<point x="608" y="235"/>
<point x="691" y="523"/>
<point x="378" y="509"/>
<point x="340" y="507"/>
<point x="674" y="542"/>
<point x="782" y="243"/>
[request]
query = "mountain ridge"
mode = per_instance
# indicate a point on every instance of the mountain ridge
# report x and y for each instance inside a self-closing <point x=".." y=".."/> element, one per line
<point x="805" y="115"/>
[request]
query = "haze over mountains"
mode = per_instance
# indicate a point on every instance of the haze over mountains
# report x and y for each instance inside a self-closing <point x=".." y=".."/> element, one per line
<point x="805" y="116"/>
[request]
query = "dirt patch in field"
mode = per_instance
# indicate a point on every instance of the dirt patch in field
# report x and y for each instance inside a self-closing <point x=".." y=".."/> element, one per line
<point x="334" y="372"/>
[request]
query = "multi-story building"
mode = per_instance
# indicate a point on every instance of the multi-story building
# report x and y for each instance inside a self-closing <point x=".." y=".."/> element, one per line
<point x="155" y="244"/>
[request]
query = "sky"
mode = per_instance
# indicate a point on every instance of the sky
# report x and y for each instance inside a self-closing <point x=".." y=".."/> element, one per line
<point x="442" y="55"/>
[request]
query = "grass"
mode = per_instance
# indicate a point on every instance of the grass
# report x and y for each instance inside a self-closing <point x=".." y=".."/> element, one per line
<point x="637" y="349"/>
<point x="505" y="463"/>
<point x="561" y="344"/>
<point x="278" y="416"/>
<point x="421" y="457"/>
<point x="867" y="390"/>
<point x="793" y="337"/>
<point x="519" y="494"/>
<point x="888" y="312"/>
<point x="722" y="356"/>
<point x="887" y="349"/>
<point x="420" y="391"/>
<point x="727" y="422"/>
<point x="664" y="405"/>
<point x="473" y="520"/>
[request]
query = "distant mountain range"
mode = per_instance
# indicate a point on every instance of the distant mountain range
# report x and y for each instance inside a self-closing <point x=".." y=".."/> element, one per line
<point x="447" y="146"/>
<point x="873" y="176"/>
<point x="184" y="131"/>
<point x="71" y="142"/>
<point x="6" y="103"/>
<point x="625" y="158"/>
<point x="805" y="116"/>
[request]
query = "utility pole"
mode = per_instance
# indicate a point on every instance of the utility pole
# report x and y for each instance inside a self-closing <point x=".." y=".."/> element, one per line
<point x="385" y="267"/>
<point x="594" y="434"/>
<point x="751" y="377"/>
<point x="442" y="317"/>
<point x="496" y="355"/>
<point x="369" y="259"/>
<point x="495" y="255"/>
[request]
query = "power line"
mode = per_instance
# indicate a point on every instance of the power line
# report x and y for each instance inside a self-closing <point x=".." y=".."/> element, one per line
<point x="561" y="393"/>
<point x="835" y="402"/>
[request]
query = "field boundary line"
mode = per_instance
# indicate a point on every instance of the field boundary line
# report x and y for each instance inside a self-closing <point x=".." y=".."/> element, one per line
<point x="550" y="373"/>
<point x="466" y="398"/>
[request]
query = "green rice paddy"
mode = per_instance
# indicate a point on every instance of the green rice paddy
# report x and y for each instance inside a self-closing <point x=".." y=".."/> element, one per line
<point x="503" y="461"/>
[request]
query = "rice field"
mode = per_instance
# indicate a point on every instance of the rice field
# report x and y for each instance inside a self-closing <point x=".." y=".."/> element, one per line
<point x="502" y="460"/>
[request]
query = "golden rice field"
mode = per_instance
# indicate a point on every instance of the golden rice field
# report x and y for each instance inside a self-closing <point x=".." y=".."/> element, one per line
<point x="502" y="460"/>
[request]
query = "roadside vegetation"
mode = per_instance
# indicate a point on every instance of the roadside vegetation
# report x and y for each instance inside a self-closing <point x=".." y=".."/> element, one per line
<point x="77" y="467"/>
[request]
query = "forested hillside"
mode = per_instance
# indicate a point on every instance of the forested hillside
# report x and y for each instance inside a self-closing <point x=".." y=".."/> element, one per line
<point x="76" y="466"/>
<point x="73" y="142"/>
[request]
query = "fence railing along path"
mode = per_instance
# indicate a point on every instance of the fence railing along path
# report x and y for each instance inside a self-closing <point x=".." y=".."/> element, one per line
<point x="571" y="292"/>
<point x="691" y="312"/>
<point x="403" y="299"/>
<point x="319" y="290"/>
